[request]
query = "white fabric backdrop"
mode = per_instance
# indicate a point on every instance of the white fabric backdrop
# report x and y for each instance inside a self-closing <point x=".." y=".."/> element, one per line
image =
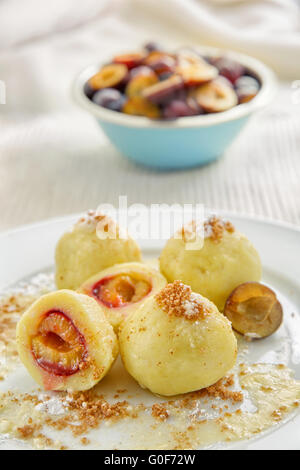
<point x="54" y="159"/>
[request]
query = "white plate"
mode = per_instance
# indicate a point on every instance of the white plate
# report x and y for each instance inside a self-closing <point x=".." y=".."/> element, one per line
<point x="30" y="249"/>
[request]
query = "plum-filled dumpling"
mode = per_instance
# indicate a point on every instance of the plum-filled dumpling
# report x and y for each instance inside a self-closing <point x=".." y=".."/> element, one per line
<point x="94" y="244"/>
<point x="225" y="260"/>
<point x="122" y="288"/>
<point x="177" y="342"/>
<point x="65" y="341"/>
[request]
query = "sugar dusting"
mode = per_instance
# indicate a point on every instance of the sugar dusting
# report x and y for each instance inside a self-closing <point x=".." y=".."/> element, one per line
<point x="36" y="286"/>
<point x="53" y="406"/>
<point x="191" y="305"/>
<point x="90" y="220"/>
<point x="212" y="228"/>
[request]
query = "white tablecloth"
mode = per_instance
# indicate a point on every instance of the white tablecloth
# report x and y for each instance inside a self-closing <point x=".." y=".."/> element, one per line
<point x="54" y="160"/>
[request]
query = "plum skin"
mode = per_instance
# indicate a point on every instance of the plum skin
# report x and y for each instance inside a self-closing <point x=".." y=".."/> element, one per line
<point x="109" y="98"/>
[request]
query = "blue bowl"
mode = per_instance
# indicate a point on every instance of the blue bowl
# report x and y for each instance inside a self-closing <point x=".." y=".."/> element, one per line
<point x="184" y="142"/>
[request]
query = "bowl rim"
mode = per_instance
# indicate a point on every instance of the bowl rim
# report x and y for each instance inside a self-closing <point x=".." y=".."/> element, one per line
<point x="267" y="77"/>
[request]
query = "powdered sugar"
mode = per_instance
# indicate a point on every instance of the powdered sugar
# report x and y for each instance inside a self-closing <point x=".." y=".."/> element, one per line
<point x="36" y="286"/>
<point x="88" y="220"/>
<point x="92" y="220"/>
<point x="212" y="227"/>
<point x="215" y="227"/>
<point x="208" y="230"/>
<point x="191" y="305"/>
<point x="53" y="406"/>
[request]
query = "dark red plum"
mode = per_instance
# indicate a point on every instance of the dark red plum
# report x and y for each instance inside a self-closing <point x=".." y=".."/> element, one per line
<point x="162" y="91"/>
<point x="160" y="62"/>
<point x="109" y="98"/>
<point x="179" y="108"/>
<point x="88" y="90"/>
<point x="229" y="69"/>
<point x="152" y="46"/>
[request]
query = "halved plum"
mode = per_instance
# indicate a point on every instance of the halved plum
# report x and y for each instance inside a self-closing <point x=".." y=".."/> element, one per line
<point x="120" y="290"/>
<point x="254" y="310"/>
<point x="110" y="76"/>
<point x="140" y="106"/>
<point x="58" y="346"/>
<point x="215" y="96"/>
<point x="160" y="62"/>
<point x="132" y="59"/>
<point x="65" y="341"/>
<point x="197" y="73"/>
<point x="163" y="91"/>
<point x="187" y="56"/>
<point x="139" y="82"/>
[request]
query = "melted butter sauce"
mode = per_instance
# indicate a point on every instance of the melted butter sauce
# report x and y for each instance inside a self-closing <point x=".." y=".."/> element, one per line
<point x="275" y="393"/>
<point x="271" y="397"/>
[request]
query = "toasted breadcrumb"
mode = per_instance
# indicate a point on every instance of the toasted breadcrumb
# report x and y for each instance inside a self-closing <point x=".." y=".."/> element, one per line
<point x="85" y="441"/>
<point x="89" y="410"/>
<point x="91" y="218"/>
<point x="178" y="299"/>
<point x="94" y="220"/>
<point x="28" y="431"/>
<point x="160" y="412"/>
<point x="219" y="390"/>
<point x="213" y="228"/>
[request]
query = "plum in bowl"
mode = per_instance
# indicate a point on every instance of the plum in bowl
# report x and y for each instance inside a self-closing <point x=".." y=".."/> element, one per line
<point x="179" y="110"/>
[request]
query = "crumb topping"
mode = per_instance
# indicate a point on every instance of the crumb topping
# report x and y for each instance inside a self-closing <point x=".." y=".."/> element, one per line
<point x="159" y="411"/>
<point x="102" y="224"/>
<point x="191" y="231"/>
<point x="92" y="218"/>
<point x="88" y="410"/>
<point x="221" y="390"/>
<point x="178" y="299"/>
<point x="11" y="309"/>
<point x="213" y="228"/>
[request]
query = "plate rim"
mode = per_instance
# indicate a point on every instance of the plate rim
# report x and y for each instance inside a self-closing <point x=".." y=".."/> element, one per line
<point x="223" y="212"/>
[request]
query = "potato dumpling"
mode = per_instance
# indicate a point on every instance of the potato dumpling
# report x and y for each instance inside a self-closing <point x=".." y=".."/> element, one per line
<point x="177" y="342"/>
<point x="89" y="248"/>
<point x="225" y="260"/>
<point x="122" y="288"/>
<point x="65" y="341"/>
